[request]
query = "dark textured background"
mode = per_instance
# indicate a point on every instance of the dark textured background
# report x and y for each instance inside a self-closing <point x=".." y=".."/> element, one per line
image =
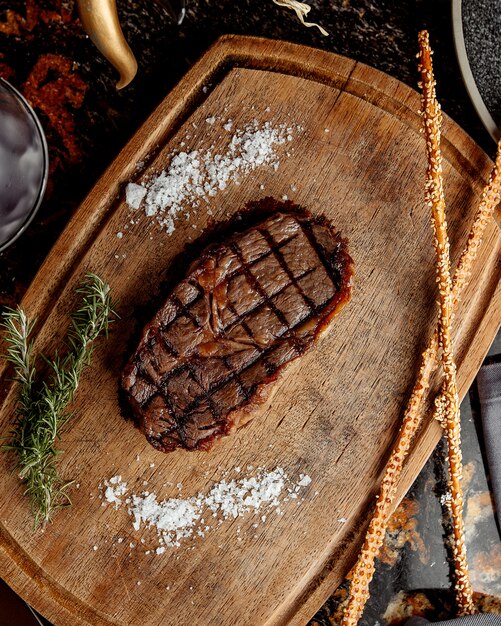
<point x="481" y="28"/>
<point x="45" y="54"/>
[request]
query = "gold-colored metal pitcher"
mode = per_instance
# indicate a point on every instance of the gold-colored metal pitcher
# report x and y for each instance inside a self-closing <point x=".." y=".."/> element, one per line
<point x="100" y="21"/>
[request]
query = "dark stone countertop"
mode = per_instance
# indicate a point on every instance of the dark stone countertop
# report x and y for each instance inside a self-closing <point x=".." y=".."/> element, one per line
<point x="44" y="53"/>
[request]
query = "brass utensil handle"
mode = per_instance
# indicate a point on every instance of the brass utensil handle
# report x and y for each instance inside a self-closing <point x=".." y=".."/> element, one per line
<point x="100" y="21"/>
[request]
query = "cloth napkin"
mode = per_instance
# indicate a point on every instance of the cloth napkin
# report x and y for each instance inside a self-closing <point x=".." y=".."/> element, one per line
<point x="489" y="391"/>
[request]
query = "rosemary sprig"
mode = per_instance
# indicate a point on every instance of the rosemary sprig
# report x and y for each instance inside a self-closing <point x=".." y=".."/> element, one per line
<point x="41" y="411"/>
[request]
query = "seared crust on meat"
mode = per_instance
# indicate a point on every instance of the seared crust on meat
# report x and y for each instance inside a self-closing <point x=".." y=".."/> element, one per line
<point x="246" y="309"/>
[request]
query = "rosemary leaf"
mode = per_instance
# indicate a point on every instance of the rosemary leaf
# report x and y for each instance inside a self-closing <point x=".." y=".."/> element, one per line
<point x="41" y="410"/>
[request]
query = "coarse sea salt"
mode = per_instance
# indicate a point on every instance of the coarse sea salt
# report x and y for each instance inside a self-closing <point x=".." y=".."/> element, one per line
<point x="134" y="195"/>
<point x="195" y="176"/>
<point x="113" y="490"/>
<point x="304" y="480"/>
<point x="176" y="519"/>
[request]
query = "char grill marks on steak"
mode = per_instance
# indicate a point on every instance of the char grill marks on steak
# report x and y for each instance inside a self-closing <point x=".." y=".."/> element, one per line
<point x="246" y="308"/>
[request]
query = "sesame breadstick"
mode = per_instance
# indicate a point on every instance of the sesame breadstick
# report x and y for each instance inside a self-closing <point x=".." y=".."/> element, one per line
<point x="362" y="572"/>
<point x="448" y="403"/>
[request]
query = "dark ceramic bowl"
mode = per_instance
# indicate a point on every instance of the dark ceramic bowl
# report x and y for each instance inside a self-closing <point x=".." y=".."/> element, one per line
<point x="476" y="25"/>
<point x="24" y="164"/>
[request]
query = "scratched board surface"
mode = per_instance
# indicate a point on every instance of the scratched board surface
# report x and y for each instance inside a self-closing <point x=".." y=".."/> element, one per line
<point x="354" y="154"/>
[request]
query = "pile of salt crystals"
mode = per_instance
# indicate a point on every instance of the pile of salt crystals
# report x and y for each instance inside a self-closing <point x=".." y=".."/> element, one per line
<point x="194" y="176"/>
<point x="175" y="519"/>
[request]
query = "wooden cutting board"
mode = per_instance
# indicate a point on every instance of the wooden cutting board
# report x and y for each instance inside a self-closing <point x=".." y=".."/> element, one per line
<point x="361" y="161"/>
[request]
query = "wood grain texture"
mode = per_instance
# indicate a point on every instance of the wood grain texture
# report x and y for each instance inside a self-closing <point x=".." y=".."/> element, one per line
<point x="333" y="417"/>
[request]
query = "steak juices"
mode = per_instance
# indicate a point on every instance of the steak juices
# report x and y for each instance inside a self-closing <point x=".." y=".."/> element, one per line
<point x="247" y="308"/>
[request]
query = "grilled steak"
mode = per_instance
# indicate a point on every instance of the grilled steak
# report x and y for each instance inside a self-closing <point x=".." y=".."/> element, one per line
<point x="247" y="308"/>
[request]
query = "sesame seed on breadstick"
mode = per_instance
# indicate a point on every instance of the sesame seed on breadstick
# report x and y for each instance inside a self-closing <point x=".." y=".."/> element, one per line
<point x="448" y="402"/>
<point x="362" y="572"/>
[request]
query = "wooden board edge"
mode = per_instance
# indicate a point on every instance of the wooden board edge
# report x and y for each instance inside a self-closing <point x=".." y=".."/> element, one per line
<point x="357" y="78"/>
<point x="421" y="449"/>
<point x="45" y="596"/>
<point x="226" y="53"/>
